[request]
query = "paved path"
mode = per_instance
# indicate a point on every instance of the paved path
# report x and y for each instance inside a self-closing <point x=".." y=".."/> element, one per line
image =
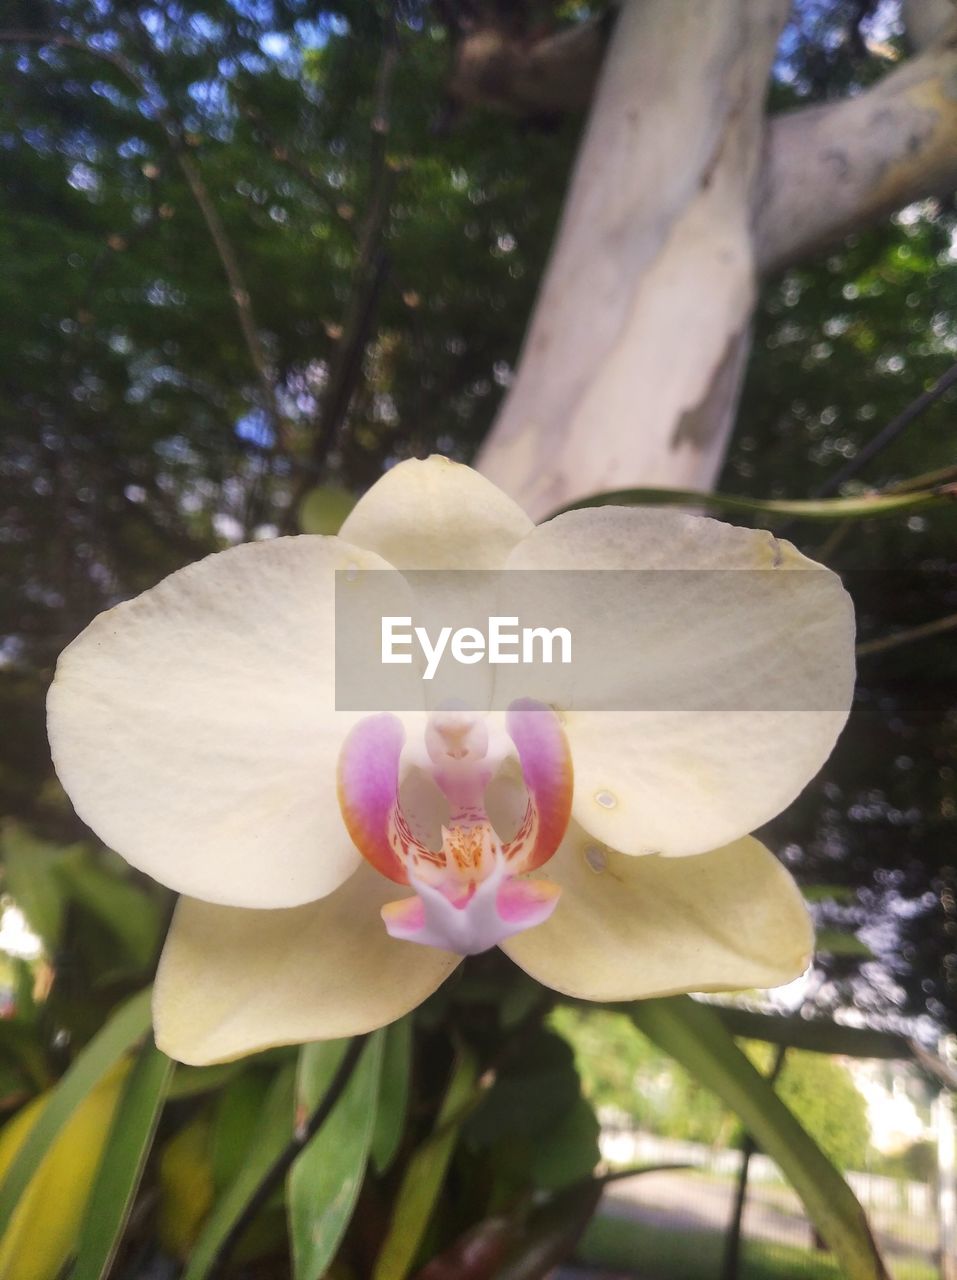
<point x="682" y="1201"/>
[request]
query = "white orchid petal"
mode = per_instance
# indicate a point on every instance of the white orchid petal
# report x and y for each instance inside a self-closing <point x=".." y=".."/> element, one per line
<point x="630" y="928"/>
<point x="194" y="728"/>
<point x="437" y="514"/>
<point x="234" y="981"/>
<point x="726" y="689"/>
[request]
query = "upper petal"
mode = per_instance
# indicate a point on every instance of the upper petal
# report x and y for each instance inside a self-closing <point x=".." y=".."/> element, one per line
<point x="233" y="981"/>
<point x="628" y="928"/>
<point x="437" y="514"/>
<point x="194" y="728"/>
<point x="726" y="688"/>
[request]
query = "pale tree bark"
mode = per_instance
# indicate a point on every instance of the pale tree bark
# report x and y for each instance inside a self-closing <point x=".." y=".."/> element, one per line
<point x="634" y="355"/>
<point x="683" y="194"/>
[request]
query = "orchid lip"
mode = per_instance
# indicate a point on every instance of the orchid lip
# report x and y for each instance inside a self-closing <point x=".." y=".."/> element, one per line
<point x="471" y="893"/>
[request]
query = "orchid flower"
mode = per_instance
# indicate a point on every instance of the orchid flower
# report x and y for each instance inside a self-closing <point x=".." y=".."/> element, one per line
<point x="336" y="867"/>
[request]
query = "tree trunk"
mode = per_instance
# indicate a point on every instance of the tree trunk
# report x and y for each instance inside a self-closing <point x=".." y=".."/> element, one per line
<point x="633" y="361"/>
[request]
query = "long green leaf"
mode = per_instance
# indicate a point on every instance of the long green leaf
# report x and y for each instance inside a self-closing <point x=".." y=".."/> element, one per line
<point x="393" y="1093"/>
<point x="324" y="1181"/>
<point x="118" y="1177"/>
<point x="125" y="1028"/>
<point x="272" y="1135"/>
<point x="838" y="942"/>
<point x="867" y="504"/>
<point x="821" y="1035"/>
<point x="425" y="1174"/>
<point x="817" y="1035"/>
<point x="694" y="1035"/>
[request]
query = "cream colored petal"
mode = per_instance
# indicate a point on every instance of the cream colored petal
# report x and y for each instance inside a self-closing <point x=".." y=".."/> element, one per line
<point x="194" y="728"/>
<point x="725" y="687"/>
<point x="234" y="981"/>
<point x="629" y="928"/>
<point x="437" y="514"/>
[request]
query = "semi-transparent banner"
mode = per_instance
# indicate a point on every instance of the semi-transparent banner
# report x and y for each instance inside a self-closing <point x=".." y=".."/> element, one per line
<point x="616" y="640"/>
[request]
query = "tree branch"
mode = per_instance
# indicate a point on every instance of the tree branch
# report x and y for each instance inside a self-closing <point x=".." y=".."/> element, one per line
<point x="549" y="76"/>
<point x="833" y="168"/>
<point x="926" y="20"/>
<point x="897" y="638"/>
<point x="369" y="276"/>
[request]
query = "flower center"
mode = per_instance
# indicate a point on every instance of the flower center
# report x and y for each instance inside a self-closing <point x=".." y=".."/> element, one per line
<point x="468" y="892"/>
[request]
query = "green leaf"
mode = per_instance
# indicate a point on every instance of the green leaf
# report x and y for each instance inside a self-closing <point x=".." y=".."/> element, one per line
<point x="127" y="911"/>
<point x="425" y="1173"/>
<point x="128" y="1025"/>
<point x="855" y="508"/>
<point x="829" y="893"/>
<point x="270" y="1138"/>
<point x="237" y="1109"/>
<point x="532" y="1093"/>
<point x="694" y="1035"/>
<point x="21" y="1047"/>
<point x="569" y="1151"/>
<point x="190" y="1082"/>
<point x="393" y="1094"/>
<point x="836" y="942"/>
<point x="121" y="1167"/>
<point x="324" y="1181"/>
<point x="32" y="873"/>
<point x="818" y="1035"/>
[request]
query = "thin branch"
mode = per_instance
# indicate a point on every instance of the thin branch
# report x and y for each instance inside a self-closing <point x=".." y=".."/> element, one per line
<point x="369" y="276"/>
<point x="732" y="1245"/>
<point x="889" y="433"/>
<point x="284" y="1161"/>
<point x="898" y="638"/>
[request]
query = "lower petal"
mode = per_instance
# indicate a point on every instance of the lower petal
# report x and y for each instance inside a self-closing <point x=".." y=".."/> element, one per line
<point x="497" y="908"/>
<point x="627" y="928"/>
<point x="233" y="981"/>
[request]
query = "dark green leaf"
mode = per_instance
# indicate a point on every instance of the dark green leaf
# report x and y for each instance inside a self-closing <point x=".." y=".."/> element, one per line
<point x="127" y="911"/>
<point x="532" y="1093"/>
<point x="568" y="1152"/>
<point x="694" y="1035"/>
<point x="393" y="1094"/>
<point x="189" y="1082"/>
<point x="425" y="1173"/>
<point x="237" y="1110"/>
<point x="127" y="1026"/>
<point x="325" y="1179"/>
<point x="270" y="1138"/>
<point x="121" y="1167"/>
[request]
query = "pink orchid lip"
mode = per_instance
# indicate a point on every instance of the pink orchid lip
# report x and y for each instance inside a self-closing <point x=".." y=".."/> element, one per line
<point x="468" y="897"/>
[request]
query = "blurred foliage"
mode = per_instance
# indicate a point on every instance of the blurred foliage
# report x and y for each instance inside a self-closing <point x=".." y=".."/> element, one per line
<point x="623" y="1070"/>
